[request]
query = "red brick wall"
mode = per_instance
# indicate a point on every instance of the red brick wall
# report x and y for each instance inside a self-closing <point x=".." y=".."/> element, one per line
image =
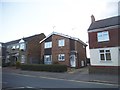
<point x="104" y="70"/>
<point x="81" y="56"/>
<point x="60" y="50"/>
<point x="113" y="36"/>
<point x="33" y="48"/>
<point x="42" y="52"/>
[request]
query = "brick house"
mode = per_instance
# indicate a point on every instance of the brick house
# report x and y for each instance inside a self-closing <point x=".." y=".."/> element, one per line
<point x="25" y="50"/>
<point x="104" y="44"/>
<point x="63" y="49"/>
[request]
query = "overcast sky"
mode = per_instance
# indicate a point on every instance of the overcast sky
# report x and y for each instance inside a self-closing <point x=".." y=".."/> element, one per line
<point x="23" y="18"/>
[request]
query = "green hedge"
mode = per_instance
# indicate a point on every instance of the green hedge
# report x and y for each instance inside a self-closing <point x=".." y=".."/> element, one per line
<point x="43" y="67"/>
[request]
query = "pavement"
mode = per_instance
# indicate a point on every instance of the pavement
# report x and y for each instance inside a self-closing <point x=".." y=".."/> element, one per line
<point x="72" y="74"/>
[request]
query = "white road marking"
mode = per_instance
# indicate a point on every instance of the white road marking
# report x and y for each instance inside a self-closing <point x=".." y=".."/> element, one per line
<point x="21" y="87"/>
<point x="65" y="79"/>
<point x="4" y="82"/>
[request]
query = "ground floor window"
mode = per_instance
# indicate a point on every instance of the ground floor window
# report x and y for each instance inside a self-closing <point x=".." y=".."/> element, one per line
<point x="48" y="59"/>
<point x="61" y="57"/>
<point x="105" y="55"/>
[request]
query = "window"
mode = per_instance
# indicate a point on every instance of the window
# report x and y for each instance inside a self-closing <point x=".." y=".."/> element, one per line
<point x="103" y="36"/>
<point x="61" y="57"/>
<point x="105" y="55"/>
<point x="17" y="46"/>
<point x="22" y="58"/>
<point x="13" y="47"/>
<point x="22" y="46"/>
<point x="48" y="59"/>
<point x="8" y="47"/>
<point x="61" y="42"/>
<point x="48" y="44"/>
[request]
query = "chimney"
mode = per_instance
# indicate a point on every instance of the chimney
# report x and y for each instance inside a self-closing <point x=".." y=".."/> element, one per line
<point x="92" y="19"/>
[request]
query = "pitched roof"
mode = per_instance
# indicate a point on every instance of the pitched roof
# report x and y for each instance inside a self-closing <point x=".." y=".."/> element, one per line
<point x="25" y="39"/>
<point x="105" y="23"/>
<point x="66" y="36"/>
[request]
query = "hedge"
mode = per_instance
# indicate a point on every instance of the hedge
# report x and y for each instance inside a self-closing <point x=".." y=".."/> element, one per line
<point x="43" y="67"/>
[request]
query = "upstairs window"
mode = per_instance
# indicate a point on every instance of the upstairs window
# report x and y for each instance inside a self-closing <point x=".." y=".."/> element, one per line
<point x="17" y="46"/>
<point x="22" y="46"/>
<point x="61" y="42"/>
<point x="103" y="36"/>
<point x="48" y="45"/>
<point x="13" y="47"/>
<point x="61" y="57"/>
<point x="105" y="55"/>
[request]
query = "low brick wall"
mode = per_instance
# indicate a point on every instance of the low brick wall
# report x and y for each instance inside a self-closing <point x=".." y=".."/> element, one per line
<point x="104" y="70"/>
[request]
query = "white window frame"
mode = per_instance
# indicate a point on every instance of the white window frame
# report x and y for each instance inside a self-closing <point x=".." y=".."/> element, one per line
<point x="17" y="46"/>
<point x="50" y="59"/>
<point x="60" y="57"/>
<point x="103" y="36"/>
<point x="22" y="58"/>
<point x="104" y="53"/>
<point x="61" y="42"/>
<point x="13" y="47"/>
<point x="48" y="45"/>
<point x="22" y="46"/>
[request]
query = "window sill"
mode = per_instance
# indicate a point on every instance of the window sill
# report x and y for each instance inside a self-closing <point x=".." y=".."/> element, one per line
<point x="105" y="61"/>
<point x="61" y="60"/>
<point x="103" y="41"/>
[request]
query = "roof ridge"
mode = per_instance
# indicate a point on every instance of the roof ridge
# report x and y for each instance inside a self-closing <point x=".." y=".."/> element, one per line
<point x="23" y="38"/>
<point x="107" y="18"/>
<point x="64" y="35"/>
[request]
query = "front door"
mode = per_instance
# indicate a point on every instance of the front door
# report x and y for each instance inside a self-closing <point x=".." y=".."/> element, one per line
<point x="72" y="61"/>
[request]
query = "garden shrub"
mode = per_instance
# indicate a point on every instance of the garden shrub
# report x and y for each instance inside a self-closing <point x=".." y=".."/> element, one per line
<point x="18" y="64"/>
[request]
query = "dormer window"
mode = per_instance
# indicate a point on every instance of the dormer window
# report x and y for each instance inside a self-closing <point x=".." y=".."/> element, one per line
<point x="22" y="44"/>
<point x="17" y="46"/>
<point x="13" y="47"/>
<point x="21" y="41"/>
<point x="103" y="36"/>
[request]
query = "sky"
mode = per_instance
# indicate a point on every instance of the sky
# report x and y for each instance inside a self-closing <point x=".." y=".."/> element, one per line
<point x="23" y="18"/>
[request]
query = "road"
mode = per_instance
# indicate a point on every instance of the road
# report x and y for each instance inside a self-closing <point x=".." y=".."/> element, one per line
<point x="20" y="80"/>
